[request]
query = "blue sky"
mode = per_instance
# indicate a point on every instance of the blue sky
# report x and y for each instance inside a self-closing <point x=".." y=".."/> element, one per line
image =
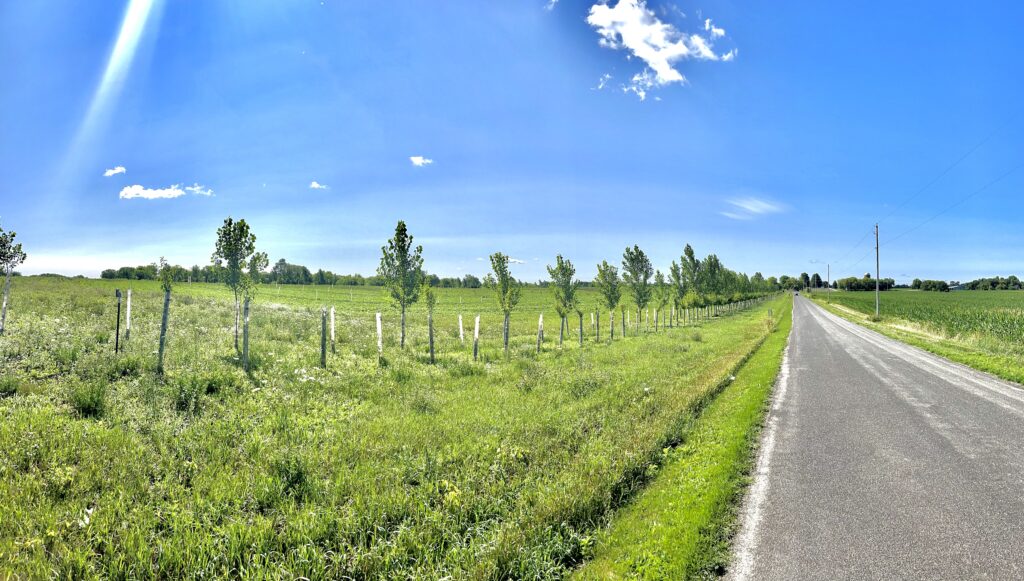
<point x="774" y="134"/>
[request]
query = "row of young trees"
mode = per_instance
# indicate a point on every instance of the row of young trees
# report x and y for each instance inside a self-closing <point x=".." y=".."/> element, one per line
<point x="691" y="282"/>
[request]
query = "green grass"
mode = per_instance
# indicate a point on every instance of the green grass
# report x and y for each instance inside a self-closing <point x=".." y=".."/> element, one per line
<point x="980" y="329"/>
<point x="490" y="469"/>
<point x="680" y="526"/>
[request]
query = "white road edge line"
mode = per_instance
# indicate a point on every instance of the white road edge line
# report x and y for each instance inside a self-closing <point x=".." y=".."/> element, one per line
<point x="746" y="541"/>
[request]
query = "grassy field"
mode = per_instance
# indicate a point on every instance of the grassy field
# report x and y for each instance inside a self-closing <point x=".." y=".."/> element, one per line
<point x="490" y="469"/>
<point x="680" y="527"/>
<point x="982" y="329"/>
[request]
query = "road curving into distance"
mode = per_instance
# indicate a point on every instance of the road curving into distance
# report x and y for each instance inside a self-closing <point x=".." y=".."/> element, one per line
<point x="882" y="461"/>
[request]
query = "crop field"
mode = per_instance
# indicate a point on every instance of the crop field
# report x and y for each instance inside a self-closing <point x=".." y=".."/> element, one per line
<point x="370" y="468"/>
<point x="982" y="329"/>
<point x="995" y="315"/>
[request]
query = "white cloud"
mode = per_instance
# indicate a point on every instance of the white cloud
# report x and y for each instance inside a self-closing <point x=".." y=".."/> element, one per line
<point x="550" y="5"/>
<point x="315" y="185"/>
<point x="175" y="191"/>
<point x="515" y="261"/>
<point x="137" y="191"/>
<point x="714" y="30"/>
<point x="420" y="161"/>
<point x="749" y="207"/>
<point x="199" y="190"/>
<point x="629" y="25"/>
<point x="603" y="82"/>
<point x="114" y="172"/>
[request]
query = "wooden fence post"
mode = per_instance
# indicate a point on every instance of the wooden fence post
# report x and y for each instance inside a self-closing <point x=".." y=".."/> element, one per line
<point x="163" y="329"/>
<point x="540" y="331"/>
<point x="476" y="338"/>
<point x="380" y="339"/>
<point x="128" y="317"/>
<point x="333" y="349"/>
<point x="323" y="337"/>
<point x="245" y="335"/>
<point x="117" y="327"/>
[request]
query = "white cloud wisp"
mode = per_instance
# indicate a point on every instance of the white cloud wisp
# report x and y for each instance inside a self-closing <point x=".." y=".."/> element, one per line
<point x="114" y="171"/>
<point x="420" y="161"/>
<point x="629" y="25"/>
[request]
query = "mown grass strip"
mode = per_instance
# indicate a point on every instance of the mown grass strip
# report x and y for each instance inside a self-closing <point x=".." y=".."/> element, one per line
<point x="680" y="527"/>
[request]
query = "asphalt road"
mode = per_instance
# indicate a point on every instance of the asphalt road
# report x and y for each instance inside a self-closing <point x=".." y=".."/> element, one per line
<point x="882" y="461"/>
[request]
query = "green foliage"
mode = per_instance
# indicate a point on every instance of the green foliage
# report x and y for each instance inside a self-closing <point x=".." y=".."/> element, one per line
<point x="89" y="398"/>
<point x="166" y="277"/>
<point x="607" y="283"/>
<point x="11" y="254"/>
<point x="234" y="247"/>
<point x="637" y="272"/>
<point x="188" y="394"/>
<point x="564" y="283"/>
<point x="9" y="385"/>
<point x="401" y="267"/>
<point x="506" y="288"/>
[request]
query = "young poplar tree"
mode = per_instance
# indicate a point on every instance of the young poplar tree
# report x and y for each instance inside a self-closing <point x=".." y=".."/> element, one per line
<point x="235" y="246"/>
<point x="11" y="256"/>
<point x="401" y="267"/>
<point x="564" y="284"/>
<point x="507" y="289"/>
<point x="257" y="264"/>
<point x="607" y="283"/>
<point x="637" y="272"/>
<point x="678" y="286"/>
<point x="430" y="298"/>
<point x="662" y="296"/>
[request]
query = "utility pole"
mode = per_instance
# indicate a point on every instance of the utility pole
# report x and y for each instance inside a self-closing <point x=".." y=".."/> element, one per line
<point x="878" y="282"/>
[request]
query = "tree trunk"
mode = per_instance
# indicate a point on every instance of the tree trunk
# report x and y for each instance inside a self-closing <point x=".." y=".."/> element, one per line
<point x="430" y="335"/>
<point x="581" y="328"/>
<point x="403" y="327"/>
<point x="163" y="333"/>
<point x="245" y="337"/>
<point x="561" y="331"/>
<point x="508" y="316"/>
<point x="7" y="292"/>
<point x="236" y="321"/>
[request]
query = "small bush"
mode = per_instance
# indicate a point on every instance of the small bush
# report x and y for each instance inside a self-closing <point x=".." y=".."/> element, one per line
<point x="697" y="338"/>
<point x="293" y="474"/>
<point x="89" y="398"/>
<point x="9" y="385"/>
<point x="125" y="366"/>
<point x="188" y="394"/>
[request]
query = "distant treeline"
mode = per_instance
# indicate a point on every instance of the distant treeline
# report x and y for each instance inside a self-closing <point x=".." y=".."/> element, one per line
<point x="282" y="272"/>
<point x="930" y="285"/>
<point x="866" y="283"/>
<point x="995" y="283"/>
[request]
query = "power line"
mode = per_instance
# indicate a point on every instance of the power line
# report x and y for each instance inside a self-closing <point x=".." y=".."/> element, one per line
<point x="944" y="172"/>
<point x="957" y="203"/>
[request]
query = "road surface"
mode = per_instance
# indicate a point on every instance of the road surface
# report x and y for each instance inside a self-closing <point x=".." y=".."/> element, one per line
<point x="882" y="461"/>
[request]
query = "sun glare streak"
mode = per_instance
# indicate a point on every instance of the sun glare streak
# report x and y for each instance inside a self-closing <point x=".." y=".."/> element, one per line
<point x="119" y="63"/>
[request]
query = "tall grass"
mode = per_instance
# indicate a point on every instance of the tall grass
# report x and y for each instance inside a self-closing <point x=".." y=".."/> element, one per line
<point x="489" y="469"/>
